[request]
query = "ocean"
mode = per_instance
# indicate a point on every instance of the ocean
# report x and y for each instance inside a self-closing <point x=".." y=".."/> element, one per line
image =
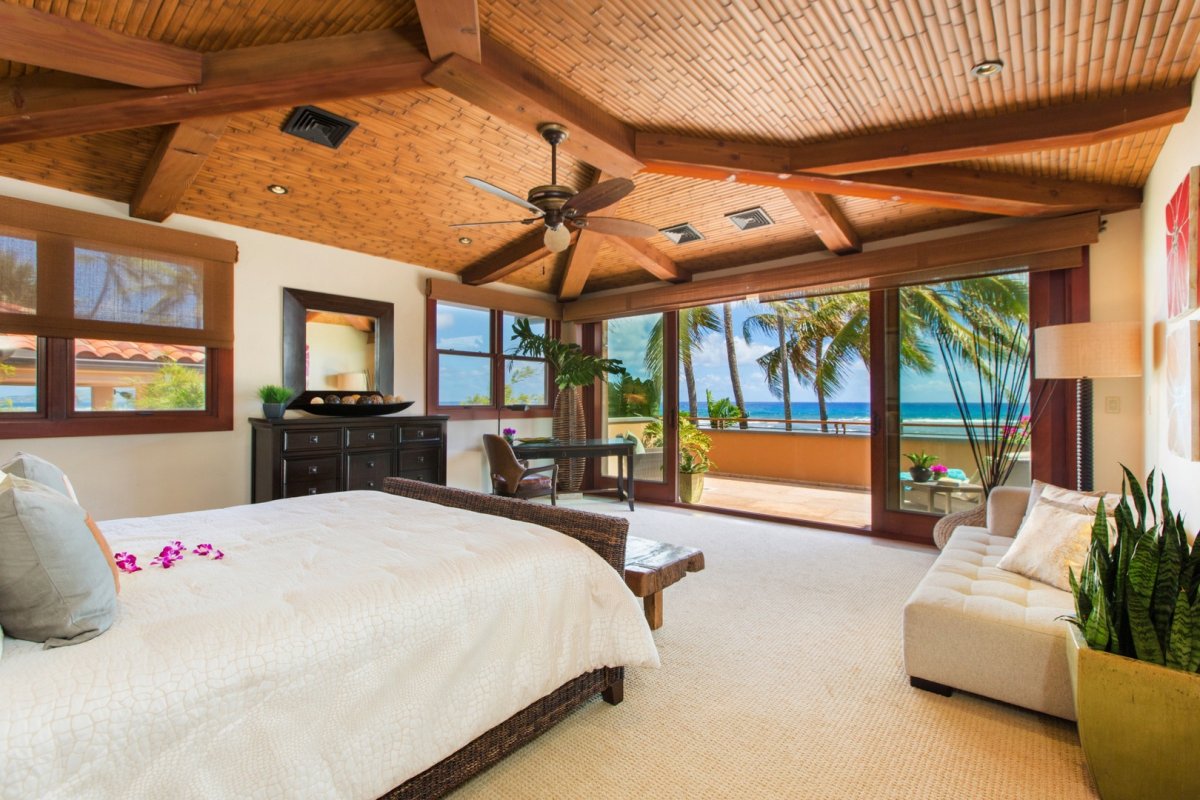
<point x="924" y="419"/>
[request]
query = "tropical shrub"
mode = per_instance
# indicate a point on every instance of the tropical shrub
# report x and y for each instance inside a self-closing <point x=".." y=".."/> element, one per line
<point x="1137" y="595"/>
<point x="693" y="445"/>
<point x="721" y="413"/>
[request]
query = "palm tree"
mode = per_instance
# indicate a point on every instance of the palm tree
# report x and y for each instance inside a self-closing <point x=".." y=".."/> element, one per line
<point x="693" y="324"/>
<point x="731" y="356"/>
<point x="776" y="363"/>
<point x="960" y="309"/>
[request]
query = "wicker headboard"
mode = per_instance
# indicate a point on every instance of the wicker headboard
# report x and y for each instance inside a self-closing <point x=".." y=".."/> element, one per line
<point x="604" y="534"/>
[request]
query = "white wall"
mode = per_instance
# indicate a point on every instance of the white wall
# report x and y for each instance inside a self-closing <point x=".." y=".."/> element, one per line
<point x="122" y="476"/>
<point x="1178" y="155"/>
<point x="1116" y="289"/>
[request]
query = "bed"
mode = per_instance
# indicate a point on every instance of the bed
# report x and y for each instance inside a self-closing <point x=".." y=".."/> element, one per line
<point x="357" y="645"/>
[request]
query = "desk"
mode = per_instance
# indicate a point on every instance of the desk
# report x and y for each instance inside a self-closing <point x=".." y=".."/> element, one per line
<point x="587" y="448"/>
<point x="929" y="491"/>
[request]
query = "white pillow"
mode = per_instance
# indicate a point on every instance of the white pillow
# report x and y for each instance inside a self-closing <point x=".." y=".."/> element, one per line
<point x="1055" y="536"/>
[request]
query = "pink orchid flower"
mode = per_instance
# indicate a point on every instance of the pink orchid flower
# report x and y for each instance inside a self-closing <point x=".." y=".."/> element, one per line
<point x="202" y="549"/>
<point x="126" y="562"/>
<point x="219" y="555"/>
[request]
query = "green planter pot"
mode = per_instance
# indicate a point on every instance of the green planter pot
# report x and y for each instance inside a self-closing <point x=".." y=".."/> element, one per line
<point x="691" y="486"/>
<point x="1139" y="724"/>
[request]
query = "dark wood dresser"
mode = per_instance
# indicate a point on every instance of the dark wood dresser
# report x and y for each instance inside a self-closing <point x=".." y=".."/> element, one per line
<point x="292" y="457"/>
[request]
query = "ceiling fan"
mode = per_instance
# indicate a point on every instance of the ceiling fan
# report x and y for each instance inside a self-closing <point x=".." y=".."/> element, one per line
<point x="561" y="207"/>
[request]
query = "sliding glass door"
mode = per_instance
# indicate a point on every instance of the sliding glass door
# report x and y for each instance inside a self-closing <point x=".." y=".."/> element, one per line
<point x="639" y="406"/>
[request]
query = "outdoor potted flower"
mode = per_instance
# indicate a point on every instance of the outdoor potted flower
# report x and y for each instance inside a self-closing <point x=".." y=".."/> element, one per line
<point x="693" y="456"/>
<point x="939" y="471"/>
<point x="509" y="434"/>
<point x="274" y="400"/>
<point x="1134" y="650"/>
<point x="921" y="463"/>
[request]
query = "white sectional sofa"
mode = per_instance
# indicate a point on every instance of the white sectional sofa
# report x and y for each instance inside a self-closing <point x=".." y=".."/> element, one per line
<point x="972" y="626"/>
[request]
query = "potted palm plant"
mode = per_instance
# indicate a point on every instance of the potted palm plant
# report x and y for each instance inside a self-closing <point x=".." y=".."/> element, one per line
<point x="920" y="466"/>
<point x="573" y="370"/>
<point x="694" y="446"/>
<point x="1134" y="650"/>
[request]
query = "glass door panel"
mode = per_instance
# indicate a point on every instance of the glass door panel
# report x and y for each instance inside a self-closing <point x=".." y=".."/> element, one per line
<point x="637" y="406"/>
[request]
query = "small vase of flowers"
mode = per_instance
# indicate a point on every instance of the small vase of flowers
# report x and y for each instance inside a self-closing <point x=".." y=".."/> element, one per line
<point x="940" y="472"/>
<point x="510" y="434"/>
<point x="920" y="466"/>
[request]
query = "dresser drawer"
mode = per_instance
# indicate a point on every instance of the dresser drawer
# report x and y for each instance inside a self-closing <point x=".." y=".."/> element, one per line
<point x="310" y="487"/>
<point x="367" y="470"/>
<point x="421" y="433"/>
<point x="418" y="459"/>
<point x="429" y="475"/>
<point x="369" y="437"/>
<point x="319" y="439"/>
<point x="310" y="469"/>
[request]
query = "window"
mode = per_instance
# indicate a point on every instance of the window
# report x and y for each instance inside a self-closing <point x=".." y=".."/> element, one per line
<point x="474" y="367"/>
<point x="110" y="327"/>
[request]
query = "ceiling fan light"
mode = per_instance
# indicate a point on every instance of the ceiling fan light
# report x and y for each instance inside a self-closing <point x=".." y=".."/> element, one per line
<point x="557" y="239"/>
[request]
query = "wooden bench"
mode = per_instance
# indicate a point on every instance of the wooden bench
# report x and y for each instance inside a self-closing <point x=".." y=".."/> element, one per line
<point x="652" y="566"/>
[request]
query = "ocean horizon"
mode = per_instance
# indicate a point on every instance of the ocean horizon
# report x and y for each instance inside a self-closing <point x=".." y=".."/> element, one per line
<point x="942" y="419"/>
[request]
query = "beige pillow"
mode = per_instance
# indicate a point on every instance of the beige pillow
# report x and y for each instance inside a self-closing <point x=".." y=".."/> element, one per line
<point x="1037" y="487"/>
<point x="1055" y="536"/>
<point x="32" y="468"/>
<point x="55" y="584"/>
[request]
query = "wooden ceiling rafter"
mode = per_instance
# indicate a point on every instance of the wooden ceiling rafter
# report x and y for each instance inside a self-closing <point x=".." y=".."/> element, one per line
<point x="450" y="26"/>
<point x="1052" y="127"/>
<point x="178" y="158"/>
<point x="651" y="259"/>
<point x="999" y="193"/>
<point x="523" y="95"/>
<point x="521" y="253"/>
<point x="827" y="221"/>
<point x="247" y="79"/>
<point x="47" y="40"/>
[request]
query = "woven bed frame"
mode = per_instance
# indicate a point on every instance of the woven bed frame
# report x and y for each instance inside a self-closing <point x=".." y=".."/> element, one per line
<point x="604" y="534"/>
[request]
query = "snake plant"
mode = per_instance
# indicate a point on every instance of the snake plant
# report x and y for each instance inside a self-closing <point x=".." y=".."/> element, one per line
<point x="1137" y="596"/>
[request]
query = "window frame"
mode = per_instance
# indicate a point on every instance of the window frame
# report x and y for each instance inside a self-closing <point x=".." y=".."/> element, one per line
<point x="59" y="233"/>
<point x="497" y="359"/>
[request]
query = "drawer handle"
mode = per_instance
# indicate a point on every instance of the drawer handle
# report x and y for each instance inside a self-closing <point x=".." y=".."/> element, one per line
<point x="420" y="434"/>
<point x="370" y="465"/>
<point x="370" y="484"/>
<point x="314" y="439"/>
<point x="371" y="435"/>
<point x="313" y="469"/>
<point x="312" y="490"/>
<point x="420" y="459"/>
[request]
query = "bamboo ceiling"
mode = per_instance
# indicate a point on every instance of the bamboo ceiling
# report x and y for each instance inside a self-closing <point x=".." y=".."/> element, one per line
<point x="770" y="72"/>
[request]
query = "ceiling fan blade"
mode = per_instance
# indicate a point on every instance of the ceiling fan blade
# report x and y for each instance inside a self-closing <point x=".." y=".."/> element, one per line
<point x="496" y="222"/>
<point x="616" y="227"/>
<point x="597" y="197"/>
<point x="503" y="194"/>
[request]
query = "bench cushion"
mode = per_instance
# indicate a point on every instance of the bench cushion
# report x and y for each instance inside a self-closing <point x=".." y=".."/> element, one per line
<point x="975" y="627"/>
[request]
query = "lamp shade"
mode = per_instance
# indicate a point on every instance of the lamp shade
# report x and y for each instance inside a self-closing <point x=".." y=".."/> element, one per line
<point x="351" y="381"/>
<point x="1088" y="350"/>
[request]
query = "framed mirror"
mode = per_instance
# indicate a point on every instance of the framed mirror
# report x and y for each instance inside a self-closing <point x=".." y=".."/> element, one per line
<point x="333" y="343"/>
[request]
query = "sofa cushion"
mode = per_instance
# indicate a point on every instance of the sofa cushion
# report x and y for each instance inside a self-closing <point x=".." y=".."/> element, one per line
<point x="973" y="626"/>
<point x="1055" y="536"/>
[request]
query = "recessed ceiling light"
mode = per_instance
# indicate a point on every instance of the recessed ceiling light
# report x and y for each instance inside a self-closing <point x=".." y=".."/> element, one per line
<point x="464" y="240"/>
<point x="987" y="69"/>
<point x="275" y="188"/>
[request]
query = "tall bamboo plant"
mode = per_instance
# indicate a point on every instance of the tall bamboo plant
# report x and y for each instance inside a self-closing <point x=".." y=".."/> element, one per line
<point x="1136" y="595"/>
<point x="993" y="408"/>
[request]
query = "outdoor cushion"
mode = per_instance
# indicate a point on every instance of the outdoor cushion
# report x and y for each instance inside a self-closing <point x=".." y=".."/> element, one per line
<point x="55" y="584"/>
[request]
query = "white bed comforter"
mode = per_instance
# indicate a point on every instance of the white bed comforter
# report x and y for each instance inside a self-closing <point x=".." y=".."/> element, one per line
<point x="345" y="643"/>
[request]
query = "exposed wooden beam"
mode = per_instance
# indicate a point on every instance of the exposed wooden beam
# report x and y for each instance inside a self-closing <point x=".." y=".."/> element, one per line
<point x="827" y="221"/>
<point x="508" y="259"/>
<point x="450" y="26"/>
<point x="651" y="259"/>
<point x="181" y="152"/>
<point x="579" y="264"/>
<point x="944" y="187"/>
<point x="1010" y="247"/>
<point x="526" y="96"/>
<point x="1053" y="127"/>
<point x="1068" y="125"/>
<point x="29" y="36"/>
<point x="483" y="297"/>
<point x="249" y="79"/>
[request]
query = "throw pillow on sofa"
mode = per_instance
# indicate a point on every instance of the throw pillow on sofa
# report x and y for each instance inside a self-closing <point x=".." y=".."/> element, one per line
<point x="55" y="584"/>
<point x="1055" y="535"/>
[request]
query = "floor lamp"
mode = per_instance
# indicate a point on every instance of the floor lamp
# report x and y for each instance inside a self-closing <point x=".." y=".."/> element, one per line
<point x="1083" y="351"/>
<point x="508" y="407"/>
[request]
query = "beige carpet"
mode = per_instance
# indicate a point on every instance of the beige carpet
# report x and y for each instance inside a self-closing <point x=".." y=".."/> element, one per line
<point x="782" y="678"/>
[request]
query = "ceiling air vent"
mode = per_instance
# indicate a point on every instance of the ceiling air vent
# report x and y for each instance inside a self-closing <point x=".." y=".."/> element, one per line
<point x="319" y="126"/>
<point x="682" y="233"/>
<point x="750" y="218"/>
